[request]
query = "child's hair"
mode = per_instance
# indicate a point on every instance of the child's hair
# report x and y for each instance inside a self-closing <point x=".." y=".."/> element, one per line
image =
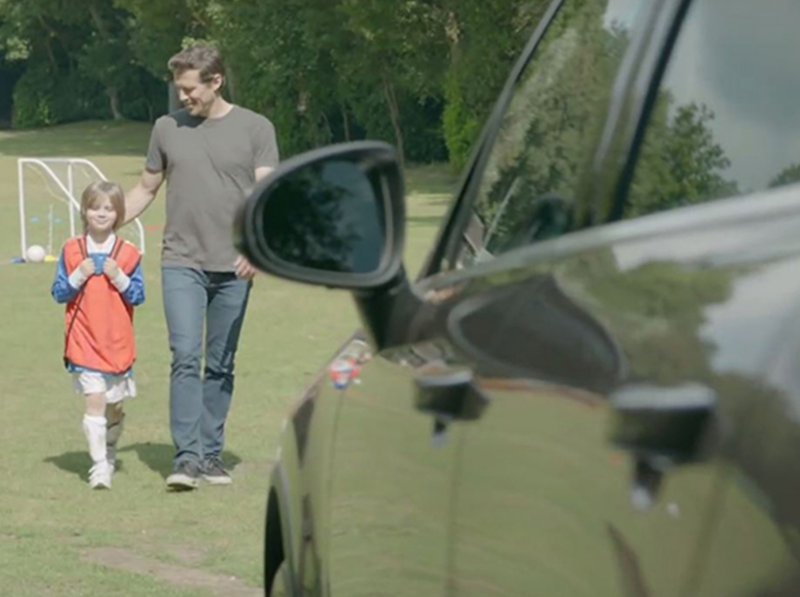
<point x="96" y="192"/>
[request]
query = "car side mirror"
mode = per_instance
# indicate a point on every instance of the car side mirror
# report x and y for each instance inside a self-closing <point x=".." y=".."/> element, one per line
<point x="333" y="217"/>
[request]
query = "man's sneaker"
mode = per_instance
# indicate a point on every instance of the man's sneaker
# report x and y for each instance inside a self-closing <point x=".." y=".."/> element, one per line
<point x="184" y="477"/>
<point x="214" y="472"/>
<point x="100" y="476"/>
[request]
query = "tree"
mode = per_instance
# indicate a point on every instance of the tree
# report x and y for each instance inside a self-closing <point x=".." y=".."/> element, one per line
<point x="282" y="69"/>
<point x="156" y="30"/>
<point x="392" y="51"/>
<point x="484" y="39"/>
<point x="680" y="162"/>
<point x="549" y="128"/>
<point x="656" y="311"/>
<point x="418" y="73"/>
<point x="789" y="175"/>
<point x="76" y="58"/>
<point x="106" y="56"/>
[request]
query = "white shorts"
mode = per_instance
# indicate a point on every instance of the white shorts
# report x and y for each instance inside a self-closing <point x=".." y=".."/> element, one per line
<point x="115" y="387"/>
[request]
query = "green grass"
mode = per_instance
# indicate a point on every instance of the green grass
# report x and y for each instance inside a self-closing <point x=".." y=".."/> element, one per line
<point x="51" y="524"/>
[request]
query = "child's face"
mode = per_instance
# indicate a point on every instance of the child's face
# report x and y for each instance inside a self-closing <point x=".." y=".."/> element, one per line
<point x="101" y="216"/>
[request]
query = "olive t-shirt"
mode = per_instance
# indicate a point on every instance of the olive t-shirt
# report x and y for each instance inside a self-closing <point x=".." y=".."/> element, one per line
<point x="210" y="168"/>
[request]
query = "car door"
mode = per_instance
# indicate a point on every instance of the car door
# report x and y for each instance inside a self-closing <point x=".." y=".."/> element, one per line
<point x="559" y="315"/>
<point x="551" y="330"/>
<point x="584" y="392"/>
<point x="390" y="488"/>
<point x="392" y="480"/>
<point x="743" y="100"/>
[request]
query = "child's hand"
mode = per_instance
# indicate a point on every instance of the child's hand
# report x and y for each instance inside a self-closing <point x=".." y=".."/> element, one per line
<point x="110" y="268"/>
<point x="87" y="267"/>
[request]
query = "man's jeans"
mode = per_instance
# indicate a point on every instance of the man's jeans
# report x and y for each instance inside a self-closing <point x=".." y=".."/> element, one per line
<point x="199" y="406"/>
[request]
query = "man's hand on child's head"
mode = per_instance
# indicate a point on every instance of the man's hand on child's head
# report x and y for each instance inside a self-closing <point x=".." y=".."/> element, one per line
<point x="87" y="267"/>
<point x="110" y="268"/>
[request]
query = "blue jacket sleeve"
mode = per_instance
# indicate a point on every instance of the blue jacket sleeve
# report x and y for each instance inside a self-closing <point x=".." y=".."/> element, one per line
<point x="134" y="294"/>
<point x="62" y="290"/>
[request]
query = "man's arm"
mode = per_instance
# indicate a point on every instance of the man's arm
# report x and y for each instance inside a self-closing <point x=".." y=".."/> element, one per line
<point x="243" y="267"/>
<point x="263" y="172"/>
<point x="142" y="195"/>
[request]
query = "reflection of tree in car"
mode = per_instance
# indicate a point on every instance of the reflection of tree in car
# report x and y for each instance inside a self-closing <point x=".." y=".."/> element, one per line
<point x="318" y="235"/>
<point x="659" y="311"/>
<point x="680" y="162"/>
<point x="789" y="175"/>
<point x="546" y="139"/>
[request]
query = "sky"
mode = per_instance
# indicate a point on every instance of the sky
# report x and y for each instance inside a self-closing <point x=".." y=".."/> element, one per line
<point x="740" y="58"/>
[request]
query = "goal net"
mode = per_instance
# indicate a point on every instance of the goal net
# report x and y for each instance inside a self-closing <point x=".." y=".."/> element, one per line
<point x="49" y="202"/>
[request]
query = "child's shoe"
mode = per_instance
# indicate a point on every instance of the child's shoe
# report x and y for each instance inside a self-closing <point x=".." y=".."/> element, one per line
<point x="100" y="476"/>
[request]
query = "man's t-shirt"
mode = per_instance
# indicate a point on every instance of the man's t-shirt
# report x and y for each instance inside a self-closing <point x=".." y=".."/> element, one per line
<point x="210" y="168"/>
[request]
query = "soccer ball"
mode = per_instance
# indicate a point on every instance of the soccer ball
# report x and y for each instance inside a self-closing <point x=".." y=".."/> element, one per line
<point x="35" y="254"/>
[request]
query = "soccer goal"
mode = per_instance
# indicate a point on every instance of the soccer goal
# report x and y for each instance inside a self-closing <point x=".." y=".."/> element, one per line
<point x="49" y="205"/>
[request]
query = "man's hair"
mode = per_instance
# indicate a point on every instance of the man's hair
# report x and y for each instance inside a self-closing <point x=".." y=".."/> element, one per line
<point x="201" y="57"/>
<point x="96" y="192"/>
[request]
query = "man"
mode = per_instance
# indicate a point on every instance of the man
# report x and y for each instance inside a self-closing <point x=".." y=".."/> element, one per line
<point x="211" y="153"/>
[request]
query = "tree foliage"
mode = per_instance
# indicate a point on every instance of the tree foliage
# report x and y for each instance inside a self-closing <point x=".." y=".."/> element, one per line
<point x="484" y="39"/>
<point x="76" y="62"/>
<point x="680" y="163"/>
<point x="530" y="185"/>
<point x="421" y="74"/>
<point x="789" y="175"/>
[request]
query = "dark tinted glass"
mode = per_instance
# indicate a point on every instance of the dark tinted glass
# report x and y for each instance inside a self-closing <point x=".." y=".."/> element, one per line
<point x="326" y="216"/>
<point x="727" y="117"/>
<point x="530" y="189"/>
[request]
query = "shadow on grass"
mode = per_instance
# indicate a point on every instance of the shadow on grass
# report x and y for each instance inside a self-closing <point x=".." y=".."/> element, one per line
<point x="73" y="462"/>
<point x="431" y="221"/>
<point x="157" y="457"/>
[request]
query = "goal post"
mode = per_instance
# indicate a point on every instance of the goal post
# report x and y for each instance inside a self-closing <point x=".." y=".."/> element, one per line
<point x="44" y="208"/>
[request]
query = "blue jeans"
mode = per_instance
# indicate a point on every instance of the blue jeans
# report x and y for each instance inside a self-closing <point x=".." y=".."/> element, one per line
<point x="198" y="407"/>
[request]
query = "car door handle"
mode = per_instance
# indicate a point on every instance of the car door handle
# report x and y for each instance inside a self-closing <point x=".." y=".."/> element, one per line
<point x="450" y="396"/>
<point x="661" y="428"/>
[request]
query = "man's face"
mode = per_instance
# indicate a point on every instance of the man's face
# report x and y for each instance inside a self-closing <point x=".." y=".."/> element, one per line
<point x="197" y="97"/>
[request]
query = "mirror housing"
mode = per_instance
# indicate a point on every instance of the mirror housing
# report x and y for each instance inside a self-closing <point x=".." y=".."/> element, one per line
<point x="332" y="217"/>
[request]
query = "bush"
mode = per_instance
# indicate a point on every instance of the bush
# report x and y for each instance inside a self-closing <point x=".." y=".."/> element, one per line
<point x="461" y="128"/>
<point x="42" y="98"/>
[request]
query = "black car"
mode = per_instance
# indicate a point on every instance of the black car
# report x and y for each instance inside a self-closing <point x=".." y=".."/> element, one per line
<point x="593" y="386"/>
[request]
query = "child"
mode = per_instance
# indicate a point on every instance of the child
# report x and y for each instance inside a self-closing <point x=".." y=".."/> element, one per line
<point x="99" y="277"/>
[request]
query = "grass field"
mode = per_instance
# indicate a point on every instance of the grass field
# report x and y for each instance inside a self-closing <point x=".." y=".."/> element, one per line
<point x="59" y="538"/>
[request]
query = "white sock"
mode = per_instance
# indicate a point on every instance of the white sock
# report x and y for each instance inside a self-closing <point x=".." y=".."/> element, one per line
<point x="95" y="430"/>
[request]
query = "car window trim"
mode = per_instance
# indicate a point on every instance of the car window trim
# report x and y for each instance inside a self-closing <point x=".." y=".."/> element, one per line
<point x="765" y="205"/>
<point x="624" y="111"/>
<point x="457" y="215"/>
<point x="645" y="91"/>
<point x="450" y="237"/>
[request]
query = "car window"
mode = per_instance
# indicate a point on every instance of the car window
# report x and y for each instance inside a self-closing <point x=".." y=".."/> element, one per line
<point x="726" y="120"/>
<point x="529" y="189"/>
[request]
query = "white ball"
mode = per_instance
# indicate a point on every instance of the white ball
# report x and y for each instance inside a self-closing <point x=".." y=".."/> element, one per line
<point x="35" y="254"/>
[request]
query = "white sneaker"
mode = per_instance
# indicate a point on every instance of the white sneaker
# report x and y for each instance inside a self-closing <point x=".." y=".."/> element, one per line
<point x="100" y="476"/>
